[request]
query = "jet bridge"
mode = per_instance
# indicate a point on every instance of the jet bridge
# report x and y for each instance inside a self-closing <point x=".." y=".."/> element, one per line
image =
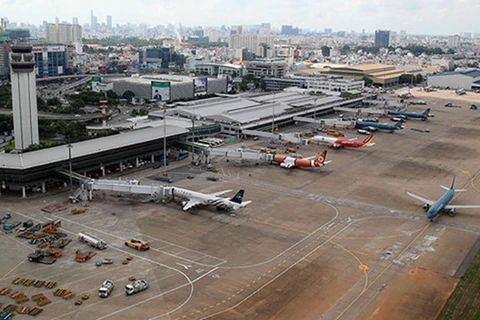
<point x="241" y="154"/>
<point x="128" y="186"/>
<point x="338" y="123"/>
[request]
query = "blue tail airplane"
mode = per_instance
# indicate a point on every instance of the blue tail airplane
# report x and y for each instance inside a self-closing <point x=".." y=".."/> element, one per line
<point x="373" y="126"/>
<point x="434" y="208"/>
<point x="423" y="116"/>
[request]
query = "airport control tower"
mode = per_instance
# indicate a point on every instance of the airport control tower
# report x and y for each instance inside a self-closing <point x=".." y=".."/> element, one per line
<point x="24" y="96"/>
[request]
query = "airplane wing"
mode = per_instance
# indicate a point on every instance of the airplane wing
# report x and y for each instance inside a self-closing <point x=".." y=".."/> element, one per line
<point x="430" y="202"/>
<point x="454" y="206"/>
<point x="216" y="194"/>
<point x="327" y="162"/>
<point x="191" y="203"/>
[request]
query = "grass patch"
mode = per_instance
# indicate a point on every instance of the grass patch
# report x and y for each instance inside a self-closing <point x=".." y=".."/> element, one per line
<point x="464" y="302"/>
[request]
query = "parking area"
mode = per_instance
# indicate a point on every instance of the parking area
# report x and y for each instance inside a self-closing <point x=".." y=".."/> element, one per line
<point x="342" y="241"/>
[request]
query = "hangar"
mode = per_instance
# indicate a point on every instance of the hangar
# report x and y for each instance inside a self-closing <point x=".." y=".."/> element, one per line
<point x="467" y="79"/>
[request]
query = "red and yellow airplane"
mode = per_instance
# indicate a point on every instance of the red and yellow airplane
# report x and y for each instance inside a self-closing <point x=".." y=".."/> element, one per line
<point x="290" y="162"/>
<point x="341" y="143"/>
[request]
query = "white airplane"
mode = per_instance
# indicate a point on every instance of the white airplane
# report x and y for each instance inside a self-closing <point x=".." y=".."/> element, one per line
<point x="197" y="198"/>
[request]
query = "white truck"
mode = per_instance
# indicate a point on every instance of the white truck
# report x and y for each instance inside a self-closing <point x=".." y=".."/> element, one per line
<point x="136" y="286"/>
<point x="105" y="289"/>
<point x="92" y="241"/>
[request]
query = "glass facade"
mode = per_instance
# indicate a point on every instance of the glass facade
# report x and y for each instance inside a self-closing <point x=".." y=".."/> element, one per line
<point x="50" y="63"/>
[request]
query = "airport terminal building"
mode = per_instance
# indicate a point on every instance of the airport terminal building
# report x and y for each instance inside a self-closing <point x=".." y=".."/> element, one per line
<point x="229" y="116"/>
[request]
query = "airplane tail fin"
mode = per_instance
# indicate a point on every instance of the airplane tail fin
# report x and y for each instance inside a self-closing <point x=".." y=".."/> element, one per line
<point x="320" y="159"/>
<point x="399" y="123"/>
<point x="427" y="111"/>
<point x="368" y="140"/>
<point x="238" y="197"/>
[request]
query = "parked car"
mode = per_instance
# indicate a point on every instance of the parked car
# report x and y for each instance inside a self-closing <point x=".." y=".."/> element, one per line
<point x="362" y="131"/>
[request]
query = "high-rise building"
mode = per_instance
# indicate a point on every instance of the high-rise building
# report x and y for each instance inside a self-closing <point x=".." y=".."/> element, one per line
<point x="289" y="30"/>
<point x="51" y="60"/>
<point x="161" y="56"/>
<point x="236" y="30"/>
<point x="255" y="43"/>
<point x="265" y="28"/>
<point x="93" y="21"/>
<point x="109" y="22"/>
<point x="24" y="97"/>
<point x="4" y="48"/>
<point x="64" y="33"/>
<point x="453" y="41"/>
<point x="382" y="38"/>
<point x="74" y="20"/>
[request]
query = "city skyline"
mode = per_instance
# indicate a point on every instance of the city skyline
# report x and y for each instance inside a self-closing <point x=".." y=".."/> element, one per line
<point x="414" y="16"/>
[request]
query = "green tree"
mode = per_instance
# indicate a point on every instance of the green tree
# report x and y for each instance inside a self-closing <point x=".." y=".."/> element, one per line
<point x="54" y="102"/>
<point x="325" y="51"/>
<point x="368" y="81"/>
<point x="345" y="50"/>
<point x="419" y="78"/>
<point x="406" y="78"/>
<point x="128" y="95"/>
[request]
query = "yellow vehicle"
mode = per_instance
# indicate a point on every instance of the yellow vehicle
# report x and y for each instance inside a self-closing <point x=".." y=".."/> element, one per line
<point x="83" y="256"/>
<point x="137" y="244"/>
<point x="335" y="133"/>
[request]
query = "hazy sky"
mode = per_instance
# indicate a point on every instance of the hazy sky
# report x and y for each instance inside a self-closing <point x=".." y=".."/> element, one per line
<point x="415" y="16"/>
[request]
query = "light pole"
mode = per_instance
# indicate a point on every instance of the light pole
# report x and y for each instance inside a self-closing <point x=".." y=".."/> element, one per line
<point x="273" y="113"/>
<point x="164" y="139"/>
<point x="193" y="136"/>
<point x="70" y="164"/>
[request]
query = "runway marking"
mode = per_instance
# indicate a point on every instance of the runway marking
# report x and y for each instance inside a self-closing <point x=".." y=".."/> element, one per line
<point x="278" y="226"/>
<point x="384" y="270"/>
<point x="278" y="275"/>
<point x="379" y="237"/>
<point x="5" y="275"/>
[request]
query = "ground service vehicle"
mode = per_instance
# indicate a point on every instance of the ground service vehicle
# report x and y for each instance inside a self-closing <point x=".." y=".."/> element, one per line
<point x="92" y="241"/>
<point x="105" y="289"/>
<point x="335" y="133"/>
<point x="136" y="286"/>
<point x="81" y="256"/>
<point x="137" y="244"/>
<point x="39" y="256"/>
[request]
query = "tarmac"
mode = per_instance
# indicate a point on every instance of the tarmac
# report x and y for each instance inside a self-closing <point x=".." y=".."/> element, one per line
<point x="342" y="241"/>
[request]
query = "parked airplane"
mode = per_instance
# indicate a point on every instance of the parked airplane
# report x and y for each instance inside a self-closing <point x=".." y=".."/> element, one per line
<point x="373" y="126"/>
<point x="423" y="116"/>
<point x="197" y="198"/>
<point x="290" y="162"/>
<point x="341" y="143"/>
<point x="434" y="208"/>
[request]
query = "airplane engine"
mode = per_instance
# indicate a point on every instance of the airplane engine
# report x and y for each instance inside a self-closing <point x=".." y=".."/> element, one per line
<point x="330" y="145"/>
<point x="426" y="206"/>
<point x="451" y="212"/>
